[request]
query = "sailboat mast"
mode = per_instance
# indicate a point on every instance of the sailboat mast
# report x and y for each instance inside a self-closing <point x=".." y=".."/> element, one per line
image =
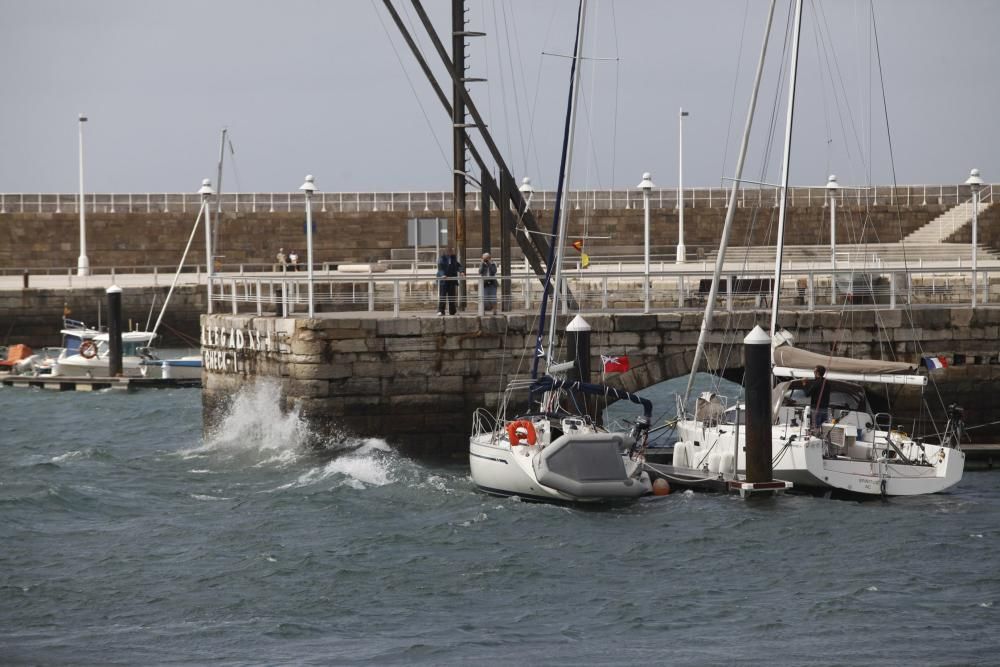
<point x="706" y="322"/>
<point x="559" y="217"/>
<point x="779" y="244"/>
<point x="218" y="181"/>
<point x="564" y="209"/>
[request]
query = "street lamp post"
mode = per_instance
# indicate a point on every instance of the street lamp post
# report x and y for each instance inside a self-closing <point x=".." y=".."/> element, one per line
<point x="646" y="185"/>
<point x="527" y="190"/>
<point x="308" y="188"/>
<point x="206" y="191"/>
<point x="681" y="250"/>
<point x="831" y="187"/>
<point x="974" y="181"/>
<point x="82" y="263"/>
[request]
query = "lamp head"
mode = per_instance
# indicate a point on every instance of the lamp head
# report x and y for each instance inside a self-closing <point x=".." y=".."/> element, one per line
<point x="646" y="183"/>
<point x="526" y="187"/>
<point x="206" y="188"/>
<point x="974" y="178"/>
<point x="309" y="186"/>
<point x="831" y="183"/>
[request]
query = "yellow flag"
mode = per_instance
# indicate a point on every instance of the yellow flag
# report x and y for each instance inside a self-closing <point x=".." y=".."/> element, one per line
<point x="584" y="260"/>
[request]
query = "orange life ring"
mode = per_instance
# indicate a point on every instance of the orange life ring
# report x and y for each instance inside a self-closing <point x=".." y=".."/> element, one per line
<point x="88" y="349"/>
<point x="515" y="439"/>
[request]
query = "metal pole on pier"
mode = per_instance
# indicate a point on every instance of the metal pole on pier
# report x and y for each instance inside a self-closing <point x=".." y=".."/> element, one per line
<point x="114" y="331"/>
<point x="82" y="262"/>
<point x="206" y="191"/>
<point x="308" y="188"/>
<point x="646" y="185"/>
<point x="974" y="181"/>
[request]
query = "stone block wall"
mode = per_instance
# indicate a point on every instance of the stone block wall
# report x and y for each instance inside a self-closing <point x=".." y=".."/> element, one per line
<point x="34" y="316"/>
<point x="418" y="381"/>
<point x="50" y="240"/>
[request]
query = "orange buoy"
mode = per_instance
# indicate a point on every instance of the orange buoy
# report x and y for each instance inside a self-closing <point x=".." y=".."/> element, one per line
<point x="661" y="487"/>
<point x="521" y="432"/>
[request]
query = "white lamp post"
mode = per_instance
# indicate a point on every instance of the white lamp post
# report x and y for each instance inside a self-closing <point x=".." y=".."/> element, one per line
<point x="681" y="250"/>
<point x="974" y="181"/>
<point x="82" y="263"/>
<point x="308" y="188"/>
<point x="206" y="191"/>
<point x="831" y="187"/>
<point x="526" y="191"/>
<point x="646" y="185"/>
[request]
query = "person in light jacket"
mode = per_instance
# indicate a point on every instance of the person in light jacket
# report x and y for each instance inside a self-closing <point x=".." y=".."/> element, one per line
<point x="489" y="270"/>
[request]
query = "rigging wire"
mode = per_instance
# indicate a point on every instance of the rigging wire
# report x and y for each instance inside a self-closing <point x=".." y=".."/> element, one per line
<point x="732" y="98"/>
<point x="409" y="81"/>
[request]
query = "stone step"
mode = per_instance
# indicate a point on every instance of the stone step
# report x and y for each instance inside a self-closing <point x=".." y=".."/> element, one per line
<point x="946" y="224"/>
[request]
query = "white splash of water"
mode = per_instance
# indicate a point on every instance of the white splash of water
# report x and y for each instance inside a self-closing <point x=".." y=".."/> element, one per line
<point x="68" y="456"/>
<point x="368" y="465"/>
<point x="872" y="589"/>
<point x="256" y="427"/>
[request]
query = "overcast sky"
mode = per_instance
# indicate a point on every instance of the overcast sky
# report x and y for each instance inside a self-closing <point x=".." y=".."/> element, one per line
<point x="315" y="86"/>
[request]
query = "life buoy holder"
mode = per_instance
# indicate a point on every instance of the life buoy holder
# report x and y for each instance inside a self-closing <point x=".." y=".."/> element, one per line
<point x="529" y="437"/>
<point x="88" y="349"/>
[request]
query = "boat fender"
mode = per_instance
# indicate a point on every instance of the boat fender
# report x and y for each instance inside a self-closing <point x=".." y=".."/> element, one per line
<point x="681" y="454"/>
<point x="521" y="432"/>
<point x="88" y="349"/>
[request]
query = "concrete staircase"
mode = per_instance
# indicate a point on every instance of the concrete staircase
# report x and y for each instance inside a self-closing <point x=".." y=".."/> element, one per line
<point x="943" y="226"/>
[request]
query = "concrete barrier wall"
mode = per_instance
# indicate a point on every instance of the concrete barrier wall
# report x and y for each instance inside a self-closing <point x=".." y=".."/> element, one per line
<point x="48" y="240"/>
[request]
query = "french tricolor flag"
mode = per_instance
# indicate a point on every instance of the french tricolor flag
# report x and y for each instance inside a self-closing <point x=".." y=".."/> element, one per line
<point x="933" y="363"/>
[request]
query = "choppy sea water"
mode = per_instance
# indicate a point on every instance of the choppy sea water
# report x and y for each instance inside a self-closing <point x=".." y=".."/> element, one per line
<point x="128" y="538"/>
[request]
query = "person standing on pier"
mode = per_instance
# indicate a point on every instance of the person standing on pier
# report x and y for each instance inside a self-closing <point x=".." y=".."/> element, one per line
<point x="489" y="270"/>
<point x="293" y="260"/>
<point x="282" y="260"/>
<point x="448" y="271"/>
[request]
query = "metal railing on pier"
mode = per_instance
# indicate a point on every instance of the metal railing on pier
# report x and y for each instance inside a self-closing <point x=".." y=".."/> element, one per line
<point x="419" y="201"/>
<point x="609" y="291"/>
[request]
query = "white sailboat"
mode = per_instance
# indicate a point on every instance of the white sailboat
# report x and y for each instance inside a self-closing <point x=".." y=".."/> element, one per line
<point x="549" y="451"/>
<point x="854" y="449"/>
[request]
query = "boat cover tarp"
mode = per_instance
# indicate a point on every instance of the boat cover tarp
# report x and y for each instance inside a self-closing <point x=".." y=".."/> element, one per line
<point x="793" y="357"/>
<point x="588" y="465"/>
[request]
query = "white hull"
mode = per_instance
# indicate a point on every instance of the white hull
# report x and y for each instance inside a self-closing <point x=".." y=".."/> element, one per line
<point x="500" y="468"/>
<point x="78" y="366"/>
<point x="807" y="462"/>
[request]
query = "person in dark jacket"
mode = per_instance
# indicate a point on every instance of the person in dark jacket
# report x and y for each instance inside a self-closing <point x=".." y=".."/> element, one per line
<point x="818" y="391"/>
<point x="448" y="271"/>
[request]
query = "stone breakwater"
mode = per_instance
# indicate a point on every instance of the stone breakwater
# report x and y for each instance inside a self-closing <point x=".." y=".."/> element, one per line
<point x="157" y="238"/>
<point x="416" y="381"/>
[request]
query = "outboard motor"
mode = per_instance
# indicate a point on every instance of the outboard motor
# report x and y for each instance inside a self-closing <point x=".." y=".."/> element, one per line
<point x="639" y="434"/>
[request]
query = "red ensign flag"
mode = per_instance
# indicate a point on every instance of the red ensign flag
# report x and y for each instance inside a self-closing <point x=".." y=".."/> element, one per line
<point x="615" y="364"/>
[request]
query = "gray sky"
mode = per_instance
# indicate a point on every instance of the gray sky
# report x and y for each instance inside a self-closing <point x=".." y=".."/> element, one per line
<point x="311" y="86"/>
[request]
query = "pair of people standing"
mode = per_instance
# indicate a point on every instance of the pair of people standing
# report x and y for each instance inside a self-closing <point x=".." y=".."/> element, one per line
<point x="289" y="262"/>
<point x="448" y="271"/>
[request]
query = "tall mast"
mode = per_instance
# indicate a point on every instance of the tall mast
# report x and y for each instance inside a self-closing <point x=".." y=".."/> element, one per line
<point x="560" y="216"/>
<point x="564" y="207"/>
<point x="458" y="136"/>
<point x="784" y="166"/>
<point x="706" y="322"/>
<point x="218" y="192"/>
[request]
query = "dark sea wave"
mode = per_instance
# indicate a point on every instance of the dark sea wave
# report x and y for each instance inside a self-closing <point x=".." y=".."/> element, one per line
<point x="129" y="539"/>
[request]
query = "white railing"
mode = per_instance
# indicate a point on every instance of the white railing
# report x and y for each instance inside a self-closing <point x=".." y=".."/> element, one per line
<point x="611" y="291"/>
<point x="339" y="202"/>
